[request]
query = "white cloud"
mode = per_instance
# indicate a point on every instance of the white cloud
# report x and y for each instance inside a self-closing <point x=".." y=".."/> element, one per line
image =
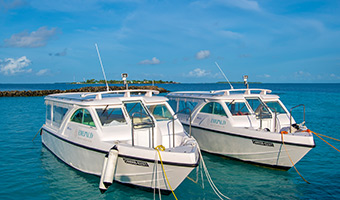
<point x="37" y="38"/>
<point x="199" y="73"/>
<point x="11" y="66"/>
<point x="242" y="4"/>
<point x="8" y="5"/>
<point x="230" y="34"/>
<point x="153" y="61"/>
<point x="42" y="72"/>
<point x="202" y="54"/>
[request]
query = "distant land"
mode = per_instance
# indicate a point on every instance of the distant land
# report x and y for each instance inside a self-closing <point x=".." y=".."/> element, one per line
<point x="240" y="82"/>
<point x="93" y="81"/>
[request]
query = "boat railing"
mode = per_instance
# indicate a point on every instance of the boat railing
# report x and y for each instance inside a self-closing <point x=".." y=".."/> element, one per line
<point x="290" y="117"/>
<point x="173" y="122"/>
<point x="264" y="115"/>
<point x="127" y="93"/>
<point x="142" y="125"/>
<point x="246" y="91"/>
<point x="275" y="117"/>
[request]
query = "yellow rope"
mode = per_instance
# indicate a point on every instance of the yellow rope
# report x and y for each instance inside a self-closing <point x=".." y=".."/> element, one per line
<point x="317" y="134"/>
<point x="192" y="179"/>
<point x="162" y="148"/>
<point x="292" y="160"/>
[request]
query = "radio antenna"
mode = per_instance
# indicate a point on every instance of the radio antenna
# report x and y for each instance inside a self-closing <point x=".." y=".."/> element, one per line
<point x="101" y="64"/>
<point x="224" y="76"/>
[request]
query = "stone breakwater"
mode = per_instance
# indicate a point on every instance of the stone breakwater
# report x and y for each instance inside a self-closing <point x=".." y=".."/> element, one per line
<point x="32" y="93"/>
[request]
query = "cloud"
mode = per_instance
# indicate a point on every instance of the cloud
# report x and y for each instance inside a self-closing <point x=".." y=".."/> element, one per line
<point x="230" y="34"/>
<point x="42" y="72"/>
<point x="302" y="74"/>
<point x="12" y="4"/>
<point x="11" y="66"/>
<point x="153" y="61"/>
<point x="202" y="54"/>
<point x="63" y="53"/>
<point x="35" y="39"/>
<point x="242" y="4"/>
<point x="199" y="73"/>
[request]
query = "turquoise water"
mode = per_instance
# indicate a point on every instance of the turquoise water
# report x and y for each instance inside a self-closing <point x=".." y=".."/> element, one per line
<point x="29" y="171"/>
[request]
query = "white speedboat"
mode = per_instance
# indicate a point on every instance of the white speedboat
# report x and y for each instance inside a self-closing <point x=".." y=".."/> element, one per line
<point x="131" y="139"/>
<point x="246" y="124"/>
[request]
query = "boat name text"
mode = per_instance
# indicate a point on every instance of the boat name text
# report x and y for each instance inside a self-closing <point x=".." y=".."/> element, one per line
<point x="218" y="121"/>
<point x="135" y="162"/>
<point x="263" y="143"/>
<point x="85" y="134"/>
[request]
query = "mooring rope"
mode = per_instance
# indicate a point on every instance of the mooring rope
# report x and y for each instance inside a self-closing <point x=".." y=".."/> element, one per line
<point x="211" y="182"/>
<point x="318" y="134"/>
<point x="284" y="145"/>
<point x="162" y="148"/>
<point x="37" y="134"/>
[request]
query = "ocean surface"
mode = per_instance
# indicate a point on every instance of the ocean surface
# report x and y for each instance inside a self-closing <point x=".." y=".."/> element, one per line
<point x="30" y="171"/>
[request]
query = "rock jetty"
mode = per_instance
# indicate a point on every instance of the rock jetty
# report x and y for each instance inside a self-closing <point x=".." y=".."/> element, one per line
<point x="32" y="93"/>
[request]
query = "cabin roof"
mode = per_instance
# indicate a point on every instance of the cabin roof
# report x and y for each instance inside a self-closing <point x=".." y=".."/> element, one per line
<point x="106" y="98"/>
<point x="231" y="94"/>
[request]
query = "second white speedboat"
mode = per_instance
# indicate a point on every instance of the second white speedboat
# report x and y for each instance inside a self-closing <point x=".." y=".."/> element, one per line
<point x="246" y="124"/>
<point x="131" y="139"/>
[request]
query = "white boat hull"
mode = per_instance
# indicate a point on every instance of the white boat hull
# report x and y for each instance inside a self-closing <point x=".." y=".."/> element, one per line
<point x="270" y="152"/>
<point x="139" y="167"/>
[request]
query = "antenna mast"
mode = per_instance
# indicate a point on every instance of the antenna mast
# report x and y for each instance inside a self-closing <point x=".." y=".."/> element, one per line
<point x="224" y="76"/>
<point x="101" y="64"/>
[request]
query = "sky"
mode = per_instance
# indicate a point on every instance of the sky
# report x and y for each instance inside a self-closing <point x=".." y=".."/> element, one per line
<point x="271" y="41"/>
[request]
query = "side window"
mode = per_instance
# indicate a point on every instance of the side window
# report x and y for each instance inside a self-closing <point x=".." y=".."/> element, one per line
<point x="214" y="108"/>
<point x="173" y="104"/>
<point x="48" y="111"/>
<point x="160" y="112"/>
<point x="77" y="116"/>
<point x="237" y="108"/>
<point x="218" y="109"/>
<point x="208" y="108"/>
<point x="186" y="104"/>
<point x="87" y="119"/>
<point x="58" y="115"/>
<point x="111" y="116"/>
<point x="83" y="116"/>
<point x="275" y="106"/>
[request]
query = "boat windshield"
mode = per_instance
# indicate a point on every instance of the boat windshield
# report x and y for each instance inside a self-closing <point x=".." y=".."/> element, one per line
<point x="160" y="112"/>
<point x="275" y="106"/>
<point x="111" y="116"/>
<point x="137" y="112"/>
<point x="238" y="108"/>
<point x="259" y="107"/>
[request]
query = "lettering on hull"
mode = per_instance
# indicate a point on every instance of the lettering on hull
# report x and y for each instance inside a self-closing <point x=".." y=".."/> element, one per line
<point x="263" y="143"/>
<point x="135" y="162"/>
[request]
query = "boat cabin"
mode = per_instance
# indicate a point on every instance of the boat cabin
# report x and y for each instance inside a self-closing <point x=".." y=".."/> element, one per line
<point x="247" y="108"/>
<point x="134" y="117"/>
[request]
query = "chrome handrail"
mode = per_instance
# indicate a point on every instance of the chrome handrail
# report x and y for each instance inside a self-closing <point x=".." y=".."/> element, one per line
<point x="173" y="122"/>
<point x="270" y="109"/>
<point x="290" y="117"/>
<point x="152" y="123"/>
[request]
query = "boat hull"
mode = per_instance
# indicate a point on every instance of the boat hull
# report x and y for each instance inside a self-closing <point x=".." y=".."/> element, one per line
<point x="131" y="169"/>
<point x="255" y="150"/>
